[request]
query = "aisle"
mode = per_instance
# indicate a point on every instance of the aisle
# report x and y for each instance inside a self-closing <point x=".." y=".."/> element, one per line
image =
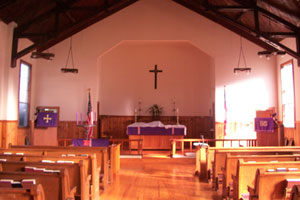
<point x="158" y="178"/>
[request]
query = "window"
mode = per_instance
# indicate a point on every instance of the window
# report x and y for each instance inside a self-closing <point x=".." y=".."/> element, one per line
<point x="287" y="94"/>
<point x="24" y="94"/>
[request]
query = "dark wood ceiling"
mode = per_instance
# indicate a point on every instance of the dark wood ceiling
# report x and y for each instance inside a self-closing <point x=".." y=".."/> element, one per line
<point x="48" y="22"/>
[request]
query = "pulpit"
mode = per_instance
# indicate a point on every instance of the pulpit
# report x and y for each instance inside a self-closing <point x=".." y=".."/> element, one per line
<point x="271" y="136"/>
<point x="44" y="128"/>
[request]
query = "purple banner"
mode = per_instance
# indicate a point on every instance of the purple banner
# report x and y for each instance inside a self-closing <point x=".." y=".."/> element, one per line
<point x="45" y="119"/>
<point x="264" y="124"/>
<point x="95" y="142"/>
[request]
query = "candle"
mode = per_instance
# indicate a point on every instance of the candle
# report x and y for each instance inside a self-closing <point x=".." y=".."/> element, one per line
<point x="80" y="118"/>
<point x="135" y="115"/>
<point x="76" y="118"/>
<point x="177" y="112"/>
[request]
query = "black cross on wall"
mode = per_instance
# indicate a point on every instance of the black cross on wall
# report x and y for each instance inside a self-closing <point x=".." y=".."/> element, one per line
<point x="155" y="71"/>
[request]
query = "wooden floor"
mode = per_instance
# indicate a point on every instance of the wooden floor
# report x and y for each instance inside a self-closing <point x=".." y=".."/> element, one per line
<point x="158" y="178"/>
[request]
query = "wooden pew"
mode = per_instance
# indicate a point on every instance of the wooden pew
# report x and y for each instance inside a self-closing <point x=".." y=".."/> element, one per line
<point x="89" y="161"/>
<point x="271" y="185"/>
<point x="220" y="157"/>
<point x="231" y="166"/>
<point x="210" y="155"/>
<point x="36" y="192"/>
<point x="77" y="173"/>
<point x="56" y="185"/>
<point x="246" y="172"/>
<point x="103" y="155"/>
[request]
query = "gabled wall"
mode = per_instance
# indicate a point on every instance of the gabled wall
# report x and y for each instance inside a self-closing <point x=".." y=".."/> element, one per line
<point x="186" y="80"/>
<point x="156" y="20"/>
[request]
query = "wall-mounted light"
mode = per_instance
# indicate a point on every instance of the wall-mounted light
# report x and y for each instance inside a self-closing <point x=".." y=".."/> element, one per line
<point x="268" y="54"/>
<point x="47" y="56"/>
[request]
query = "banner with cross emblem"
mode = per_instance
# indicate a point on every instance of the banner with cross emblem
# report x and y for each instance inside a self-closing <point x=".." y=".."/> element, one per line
<point x="45" y="119"/>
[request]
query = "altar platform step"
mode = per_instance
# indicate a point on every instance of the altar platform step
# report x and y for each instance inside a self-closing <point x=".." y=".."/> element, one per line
<point x="159" y="154"/>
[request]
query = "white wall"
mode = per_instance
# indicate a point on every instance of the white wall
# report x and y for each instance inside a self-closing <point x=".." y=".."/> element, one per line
<point x="187" y="78"/>
<point x="154" y="20"/>
<point x="9" y="77"/>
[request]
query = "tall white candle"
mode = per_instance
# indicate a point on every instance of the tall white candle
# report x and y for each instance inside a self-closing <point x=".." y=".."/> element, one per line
<point x="76" y="118"/>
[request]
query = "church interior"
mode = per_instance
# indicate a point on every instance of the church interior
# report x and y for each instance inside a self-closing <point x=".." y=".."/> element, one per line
<point x="149" y="99"/>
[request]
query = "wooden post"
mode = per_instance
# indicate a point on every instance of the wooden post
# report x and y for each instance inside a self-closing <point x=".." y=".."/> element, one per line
<point x="173" y="148"/>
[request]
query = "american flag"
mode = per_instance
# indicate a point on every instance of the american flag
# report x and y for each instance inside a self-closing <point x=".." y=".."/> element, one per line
<point x="225" y="108"/>
<point x="90" y="120"/>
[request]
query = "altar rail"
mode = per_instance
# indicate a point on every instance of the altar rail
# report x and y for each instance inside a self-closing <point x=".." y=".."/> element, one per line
<point x="125" y="143"/>
<point x="249" y="143"/>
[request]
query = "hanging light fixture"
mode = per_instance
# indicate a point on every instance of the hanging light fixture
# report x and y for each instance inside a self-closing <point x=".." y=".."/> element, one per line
<point x="66" y="69"/>
<point x="238" y="69"/>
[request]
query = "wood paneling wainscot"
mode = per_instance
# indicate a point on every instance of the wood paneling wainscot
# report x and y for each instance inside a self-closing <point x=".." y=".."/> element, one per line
<point x="293" y="134"/>
<point x="115" y="126"/>
<point x="10" y="133"/>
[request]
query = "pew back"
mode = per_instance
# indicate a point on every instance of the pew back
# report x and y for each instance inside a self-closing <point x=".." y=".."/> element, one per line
<point x="55" y="185"/>
<point x="220" y="156"/>
<point x="36" y="192"/>
<point x="271" y="185"/>
<point x="231" y="164"/>
<point x="77" y="173"/>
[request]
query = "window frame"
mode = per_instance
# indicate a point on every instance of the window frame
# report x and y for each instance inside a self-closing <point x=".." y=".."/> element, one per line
<point x="29" y="93"/>
<point x="282" y="105"/>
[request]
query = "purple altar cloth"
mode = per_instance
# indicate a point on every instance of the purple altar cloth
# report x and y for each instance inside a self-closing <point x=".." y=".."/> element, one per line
<point x="264" y="124"/>
<point x="144" y="129"/>
<point x="95" y="142"/>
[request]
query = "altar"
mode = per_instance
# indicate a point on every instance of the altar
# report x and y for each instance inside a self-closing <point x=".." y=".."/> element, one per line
<point x="155" y="134"/>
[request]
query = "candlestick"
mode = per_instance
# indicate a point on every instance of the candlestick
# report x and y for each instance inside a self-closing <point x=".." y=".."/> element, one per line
<point x="135" y="115"/>
<point x="76" y="118"/>
<point x="177" y="113"/>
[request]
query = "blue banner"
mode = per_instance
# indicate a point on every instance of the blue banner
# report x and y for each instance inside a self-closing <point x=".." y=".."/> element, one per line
<point x="45" y="119"/>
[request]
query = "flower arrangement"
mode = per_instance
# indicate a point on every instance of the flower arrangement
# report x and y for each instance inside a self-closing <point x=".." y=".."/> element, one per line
<point x="155" y="110"/>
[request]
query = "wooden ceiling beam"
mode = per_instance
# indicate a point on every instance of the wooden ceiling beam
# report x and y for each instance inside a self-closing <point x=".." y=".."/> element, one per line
<point x="42" y="17"/>
<point x="287" y="24"/>
<point x="234" y="8"/>
<point x="225" y="22"/>
<point x="256" y="37"/>
<point x="84" y="23"/>
<point x="276" y="5"/>
<point x="279" y="34"/>
<point x="59" y="35"/>
<point x="5" y="3"/>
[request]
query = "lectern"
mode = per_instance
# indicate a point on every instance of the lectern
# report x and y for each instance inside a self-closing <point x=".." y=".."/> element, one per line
<point x="44" y="128"/>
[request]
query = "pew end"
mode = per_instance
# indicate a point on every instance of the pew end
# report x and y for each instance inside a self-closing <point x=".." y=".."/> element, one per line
<point x="295" y="194"/>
